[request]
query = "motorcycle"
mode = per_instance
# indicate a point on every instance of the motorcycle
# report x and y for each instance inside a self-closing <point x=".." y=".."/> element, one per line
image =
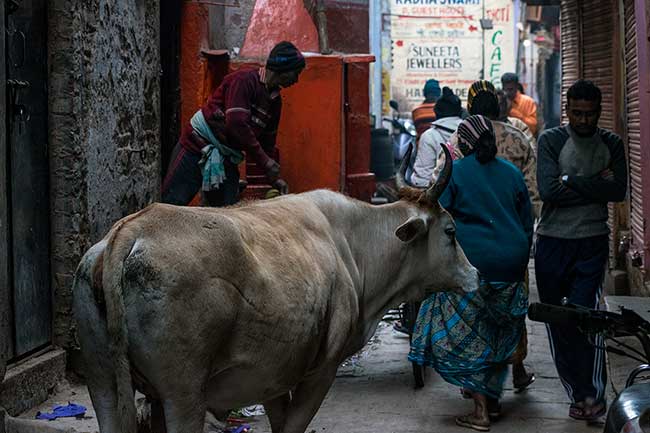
<point x="403" y="135"/>
<point x="630" y="411"/>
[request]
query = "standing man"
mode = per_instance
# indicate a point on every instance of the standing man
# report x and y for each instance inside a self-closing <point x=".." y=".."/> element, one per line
<point x="242" y="115"/>
<point x="580" y="168"/>
<point x="423" y="115"/>
<point x="522" y="106"/>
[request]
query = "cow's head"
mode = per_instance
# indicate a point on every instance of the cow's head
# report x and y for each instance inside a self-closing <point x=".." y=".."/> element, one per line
<point x="431" y="234"/>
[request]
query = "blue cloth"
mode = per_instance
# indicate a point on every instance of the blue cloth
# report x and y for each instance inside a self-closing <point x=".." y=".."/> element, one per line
<point x="469" y="338"/>
<point x="62" y="412"/>
<point x="239" y="429"/>
<point x="492" y="211"/>
<point x="211" y="163"/>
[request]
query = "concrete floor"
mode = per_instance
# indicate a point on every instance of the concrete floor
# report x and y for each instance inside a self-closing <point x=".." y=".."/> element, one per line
<point x="374" y="394"/>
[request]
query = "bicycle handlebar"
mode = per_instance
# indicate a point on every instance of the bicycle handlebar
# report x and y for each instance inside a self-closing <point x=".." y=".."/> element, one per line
<point x="589" y="321"/>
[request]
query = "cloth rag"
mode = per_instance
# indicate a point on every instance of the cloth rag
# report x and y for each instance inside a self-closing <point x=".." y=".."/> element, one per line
<point x="211" y="162"/>
<point x="71" y="410"/>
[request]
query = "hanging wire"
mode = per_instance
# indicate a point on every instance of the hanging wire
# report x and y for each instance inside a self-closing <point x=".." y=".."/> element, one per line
<point x="234" y="4"/>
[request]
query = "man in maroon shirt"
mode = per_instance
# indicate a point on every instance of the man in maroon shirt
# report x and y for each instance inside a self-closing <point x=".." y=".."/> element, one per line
<point x="241" y="115"/>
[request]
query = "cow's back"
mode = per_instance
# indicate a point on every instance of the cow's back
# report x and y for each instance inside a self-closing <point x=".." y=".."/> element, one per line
<point x="234" y="287"/>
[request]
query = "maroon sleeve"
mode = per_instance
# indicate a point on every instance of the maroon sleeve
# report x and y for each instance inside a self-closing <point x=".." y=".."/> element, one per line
<point x="269" y="136"/>
<point x="238" y="99"/>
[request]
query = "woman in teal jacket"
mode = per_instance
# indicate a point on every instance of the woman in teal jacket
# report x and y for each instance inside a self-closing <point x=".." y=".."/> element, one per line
<point x="469" y="338"/>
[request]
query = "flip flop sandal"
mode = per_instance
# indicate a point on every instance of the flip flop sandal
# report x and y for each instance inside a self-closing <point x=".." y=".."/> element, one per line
<point x="600" y="411"/>
<point x="397" y="326"/>
<point x="469" y="421"/>
<point x="521" y="386"/>
<point x="577" y="411"/>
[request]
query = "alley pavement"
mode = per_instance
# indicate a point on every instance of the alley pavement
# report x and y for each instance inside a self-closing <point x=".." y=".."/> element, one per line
<point x="374" y="393"/>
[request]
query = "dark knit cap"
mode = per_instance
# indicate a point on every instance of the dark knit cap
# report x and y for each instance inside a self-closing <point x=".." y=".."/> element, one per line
<point x="285" y="57"/>
<point x="431" y="89"/>
<point x="509" y="77"/>
<point x="448" y="104"/>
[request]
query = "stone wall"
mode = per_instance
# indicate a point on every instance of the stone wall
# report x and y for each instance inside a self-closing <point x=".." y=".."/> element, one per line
<point x="228" y="25"/>
<point x="104" y="121"/>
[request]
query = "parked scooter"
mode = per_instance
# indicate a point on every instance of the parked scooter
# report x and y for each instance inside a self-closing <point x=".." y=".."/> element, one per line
<point x="403" y="135"/>
<point x="630" y="411"/>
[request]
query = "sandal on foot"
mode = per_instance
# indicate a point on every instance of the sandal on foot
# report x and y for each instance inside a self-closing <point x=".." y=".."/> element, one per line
<point x="585" y="412"/>
<point x="470" y="421"/>
<point x="521" y="385"/>
<point x="397" y="326"/>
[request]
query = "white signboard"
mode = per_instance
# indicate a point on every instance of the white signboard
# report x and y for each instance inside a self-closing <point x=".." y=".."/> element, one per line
<point x="442" y="39"/>
<point x="500" y="41"/>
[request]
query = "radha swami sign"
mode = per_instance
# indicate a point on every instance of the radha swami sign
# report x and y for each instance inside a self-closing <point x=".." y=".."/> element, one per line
<point x="438" y="2"/>
<point x="442" y="39"/>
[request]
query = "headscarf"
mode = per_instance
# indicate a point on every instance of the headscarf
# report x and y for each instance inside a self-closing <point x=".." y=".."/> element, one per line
<point x="285" y="57"/>
<point x="448" y="104"/>
<point x="476" y="88"/>
<point x="470" y="130"/>
<point x="431" y="89"/>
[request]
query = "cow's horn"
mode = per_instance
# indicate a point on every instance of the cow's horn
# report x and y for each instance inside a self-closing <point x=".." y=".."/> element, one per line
<point x="400" y="179"/>
<point x="435" y="191"/>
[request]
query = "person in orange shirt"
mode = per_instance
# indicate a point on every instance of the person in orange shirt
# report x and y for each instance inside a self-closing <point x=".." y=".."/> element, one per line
<point x="423" y="114"/>
<point x="522" y="106"/>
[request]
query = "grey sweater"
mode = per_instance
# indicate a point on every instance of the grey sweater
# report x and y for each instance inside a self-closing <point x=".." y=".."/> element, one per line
<point x="577" y="208"/>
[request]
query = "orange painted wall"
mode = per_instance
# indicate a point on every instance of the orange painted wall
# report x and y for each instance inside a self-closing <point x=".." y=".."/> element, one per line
<point x="277" y="20"/>
<point x="310" y="133"/>
<point x="360" y="182"/>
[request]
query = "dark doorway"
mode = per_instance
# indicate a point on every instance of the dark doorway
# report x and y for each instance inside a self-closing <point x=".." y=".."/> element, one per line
<point x="26" y="177"/>
<point x="170" y="90"/>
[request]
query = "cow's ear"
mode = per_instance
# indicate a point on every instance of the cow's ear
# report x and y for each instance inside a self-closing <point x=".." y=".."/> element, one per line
<point x="411" y="229"/>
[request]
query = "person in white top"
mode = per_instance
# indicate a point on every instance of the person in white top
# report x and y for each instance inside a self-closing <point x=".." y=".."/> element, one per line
<point x="448" y="110"/>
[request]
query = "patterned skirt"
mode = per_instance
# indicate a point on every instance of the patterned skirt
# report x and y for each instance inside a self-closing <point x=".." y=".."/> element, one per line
<point x="469" y="338"/>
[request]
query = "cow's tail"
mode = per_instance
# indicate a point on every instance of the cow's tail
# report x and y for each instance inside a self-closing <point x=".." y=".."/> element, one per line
<point x="117" y="249"/>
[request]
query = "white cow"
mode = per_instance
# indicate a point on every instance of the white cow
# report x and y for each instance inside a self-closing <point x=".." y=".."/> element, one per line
<point x="214" y="309"/>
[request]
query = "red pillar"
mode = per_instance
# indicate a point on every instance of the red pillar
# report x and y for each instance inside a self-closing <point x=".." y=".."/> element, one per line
<point x="194" y="38"/>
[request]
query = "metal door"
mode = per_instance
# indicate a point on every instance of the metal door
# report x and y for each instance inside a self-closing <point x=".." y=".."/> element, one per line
<point x="27" y="175"/>
<point x="6" y="322"/>
<point x="598" y="55"/>
<point x="637" y="221"/>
